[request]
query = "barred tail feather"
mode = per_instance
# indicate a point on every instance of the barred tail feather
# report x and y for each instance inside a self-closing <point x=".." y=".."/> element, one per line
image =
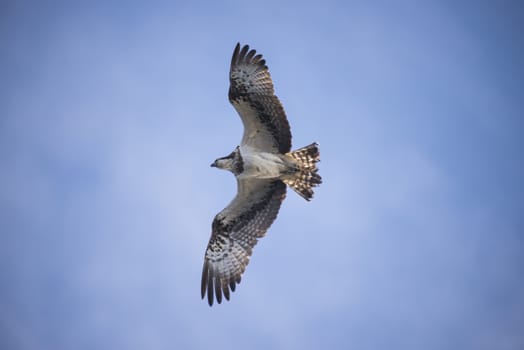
<point x="306" y="176"/>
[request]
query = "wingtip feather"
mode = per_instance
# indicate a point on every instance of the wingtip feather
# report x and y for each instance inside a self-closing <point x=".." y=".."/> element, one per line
<point x="244" y="51"/>
<point x="218" y="291"/>
<point x="210" y="292"/>
<point x="203" y="286"/>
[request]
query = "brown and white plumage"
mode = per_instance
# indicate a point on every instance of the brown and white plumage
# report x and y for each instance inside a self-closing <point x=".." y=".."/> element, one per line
<point x="263" y="165"/>
<point x="251" y="92"/>
<point x="236" y="230"/>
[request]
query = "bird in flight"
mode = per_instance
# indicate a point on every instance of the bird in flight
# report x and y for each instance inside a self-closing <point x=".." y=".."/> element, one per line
<point x="263" y="165"/>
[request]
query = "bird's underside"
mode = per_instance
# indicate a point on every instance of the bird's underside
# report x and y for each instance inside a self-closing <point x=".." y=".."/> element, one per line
<point x="263" y="166"/>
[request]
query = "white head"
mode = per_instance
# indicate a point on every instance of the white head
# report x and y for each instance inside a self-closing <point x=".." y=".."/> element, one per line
<point x="232" y="162"/>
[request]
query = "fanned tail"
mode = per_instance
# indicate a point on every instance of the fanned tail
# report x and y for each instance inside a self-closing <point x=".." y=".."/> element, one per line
<point x="306" y="177"/>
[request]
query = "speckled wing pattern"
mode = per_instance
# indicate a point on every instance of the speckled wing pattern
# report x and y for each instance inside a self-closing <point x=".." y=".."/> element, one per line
<point x="251" y="92"/>
<point x="235" y="232"/>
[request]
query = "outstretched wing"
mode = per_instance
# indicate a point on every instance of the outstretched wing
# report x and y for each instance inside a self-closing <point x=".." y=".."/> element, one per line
<point x="235" y="232"/>
<point x="251" y="92"/>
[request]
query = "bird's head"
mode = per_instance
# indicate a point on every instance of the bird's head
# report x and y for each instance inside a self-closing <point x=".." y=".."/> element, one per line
<point x="231" y="162"/>
<point x="225" y="163"/>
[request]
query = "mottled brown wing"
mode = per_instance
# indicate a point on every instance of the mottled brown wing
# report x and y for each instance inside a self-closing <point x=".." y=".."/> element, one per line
<point x="235" y="231"/>
<point x="251" y="92"/>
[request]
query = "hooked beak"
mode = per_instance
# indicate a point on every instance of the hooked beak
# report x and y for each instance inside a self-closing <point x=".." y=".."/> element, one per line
<point x="214" y="164"/>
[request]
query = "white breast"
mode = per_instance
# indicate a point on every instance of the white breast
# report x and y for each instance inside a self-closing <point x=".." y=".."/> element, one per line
<point x="261" y="165"/>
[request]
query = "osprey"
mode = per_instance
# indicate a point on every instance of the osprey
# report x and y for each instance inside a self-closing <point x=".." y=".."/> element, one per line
<point x="263" y="165"/>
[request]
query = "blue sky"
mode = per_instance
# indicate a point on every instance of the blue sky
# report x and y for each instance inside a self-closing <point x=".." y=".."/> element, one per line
<point x="111" y="113"/>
